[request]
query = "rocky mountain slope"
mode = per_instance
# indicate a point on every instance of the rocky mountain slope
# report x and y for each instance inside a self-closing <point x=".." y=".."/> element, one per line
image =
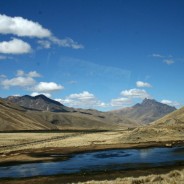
<point x="146" y="112"/>
<point x="39" y="102"/>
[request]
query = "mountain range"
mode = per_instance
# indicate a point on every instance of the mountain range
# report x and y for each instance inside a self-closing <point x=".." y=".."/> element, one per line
<point x="40" y="112"/>
<point x="146" y="112"/>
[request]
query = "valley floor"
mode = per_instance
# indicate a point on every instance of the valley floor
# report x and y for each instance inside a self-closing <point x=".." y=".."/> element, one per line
<point x="37" y="147"/>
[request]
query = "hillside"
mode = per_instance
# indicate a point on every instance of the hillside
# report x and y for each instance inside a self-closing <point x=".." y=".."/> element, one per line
<point x="175" y="118"/>
<point x="13" y="117"/>
<point x="39" y="102"/>
<point x="62" y="115"/>
<point x="168" y="128"/>
<point x="145" y="112"/>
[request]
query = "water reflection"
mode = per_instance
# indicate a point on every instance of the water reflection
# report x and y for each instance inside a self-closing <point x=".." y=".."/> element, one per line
<point x="99" y="161"/>
<point x="145" y="153"/>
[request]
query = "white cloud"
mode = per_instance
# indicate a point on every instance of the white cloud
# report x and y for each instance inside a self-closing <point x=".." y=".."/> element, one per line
<point x="14" y="46"/>
<point x="168" y="61"/>
<point x="67" y="42"/>
<point x="31" y="74"/>
<point x="102" y="104"/>
<point x="22" y="27"/>
<point x="47" y="87"/>
<point x="135" y="93"/>
<point x="120" y="102"/>
<point x="82" y="96"/>
<point x="44" y="44"/>
<point x="36" y="94"/>
<point x="141" y="84"/>
<point x="27" y="81"/>
<point x="18" y="81"/>
<point x="171" y="103"/>
<point x="84" y="100"/>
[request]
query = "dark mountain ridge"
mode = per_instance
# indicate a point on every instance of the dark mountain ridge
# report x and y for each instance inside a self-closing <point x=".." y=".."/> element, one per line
<point x="40" y="102"/>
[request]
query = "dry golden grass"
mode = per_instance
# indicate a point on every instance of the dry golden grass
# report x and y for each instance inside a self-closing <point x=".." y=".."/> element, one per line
<point x="173" y="177"/>
<point x="21" y="141"/>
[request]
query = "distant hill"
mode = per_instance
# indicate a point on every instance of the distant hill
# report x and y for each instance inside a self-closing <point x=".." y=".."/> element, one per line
<point x="13" y="117"/>
<point x="167" y="128"/>
<point x="175" y="118"/>
<point x="146" y="112"/>
<point x="65" y="115"/>
<point x="39" y="102"/>
<point x="44" y="113"/>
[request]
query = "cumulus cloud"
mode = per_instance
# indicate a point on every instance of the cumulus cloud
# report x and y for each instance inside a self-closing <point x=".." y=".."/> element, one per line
<point x="82" y="96"/>
<point x="120" y="102"/>
<point x="31" y="74"/>
<point x="22" y="27"/>
<point x="171" y="103"/>
<point x="14" y="46"/>
<point x="47" y="87"/>
<point x="36" y="94"/>
<point x="18" y="82"/>
<point x="135" y="93"/>
<point x="27" y="82"/>
<point x="141" y="84"/>
<point x="84" y="99"/>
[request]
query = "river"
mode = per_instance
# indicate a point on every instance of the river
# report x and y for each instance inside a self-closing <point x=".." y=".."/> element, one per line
<point x="119" y="159"/>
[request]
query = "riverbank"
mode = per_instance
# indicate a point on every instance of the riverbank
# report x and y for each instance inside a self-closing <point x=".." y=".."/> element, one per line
<point x="164" y="175"/>
<point x="47" y="154"/>
<point x="23" y="147"/>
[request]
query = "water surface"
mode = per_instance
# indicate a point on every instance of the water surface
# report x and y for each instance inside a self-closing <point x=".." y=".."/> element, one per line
<point x="121" y="159"/>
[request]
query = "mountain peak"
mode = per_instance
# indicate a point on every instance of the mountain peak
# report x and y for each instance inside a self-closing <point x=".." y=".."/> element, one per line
<point x="148" y="101"/>
<point x="147" y="111"/>
<point x="39" y="102"/>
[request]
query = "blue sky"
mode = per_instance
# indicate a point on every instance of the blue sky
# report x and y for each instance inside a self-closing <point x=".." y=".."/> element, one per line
<point x="102" y="54"/>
